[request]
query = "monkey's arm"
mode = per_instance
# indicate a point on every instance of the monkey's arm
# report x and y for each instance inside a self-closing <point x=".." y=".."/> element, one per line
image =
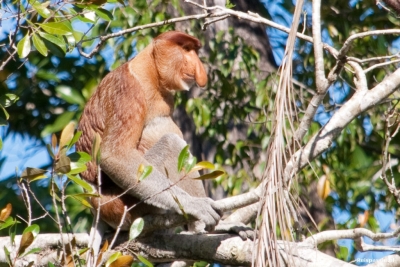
<point x="156" y="189"/>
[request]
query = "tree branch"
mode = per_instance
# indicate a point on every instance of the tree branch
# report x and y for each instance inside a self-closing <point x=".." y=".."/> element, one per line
<point x="360" y="102"/>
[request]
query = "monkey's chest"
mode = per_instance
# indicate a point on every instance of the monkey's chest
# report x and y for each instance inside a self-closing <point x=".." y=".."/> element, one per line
<point x="154" y="130"/>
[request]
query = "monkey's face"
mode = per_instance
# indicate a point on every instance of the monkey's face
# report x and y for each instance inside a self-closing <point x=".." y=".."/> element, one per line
<point x="192" y="70"/>
<point x="178" y="64"/>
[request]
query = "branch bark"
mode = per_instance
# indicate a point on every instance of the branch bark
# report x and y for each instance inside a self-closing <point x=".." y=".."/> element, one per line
<point x="221" y="248"/>
<point x="362" y="100"/>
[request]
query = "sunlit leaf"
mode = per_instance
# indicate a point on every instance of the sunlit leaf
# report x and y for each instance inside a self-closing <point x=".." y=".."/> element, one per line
<point x="54" y="141"/>
<point x="81" y="199"/>
<point x="5" y="212"/>
<point x="26" y="240"/>
<point x="42" y="9"/>
<point x="96" y="148"/>
<point x="77" y="167"/>
<point x="146" y="172"/>
<point x="202" y="165"/>
<point x="363" y="218"/>
<point x="180" y="206"/>
<point x="104" y="14"/>
<point x="70" y="95"/>
<point x="7" y="223"/>
<point x="136" y="228"/>
<point x="75" y="139"/>
<point x="59" y="123"/>
<point x="183" y="157"/>
<point x="190" y="163"/>
<point x="122" y="261"/>
<point x="57" y="40"/>
<point x="102" y="250"/>
<point x="89" y="17"/>
<point x="32" y="251"/>
<point x="8" y="256"/>
<point x="212" y="175"/>
<point x="112" y="258"/>
<point x="7" y="100"/>
<point x="56" y="28"/>
<point x="67" y="134"/>
<point x="323" y="187"/>
<point x="24" y="46"/>
<point x="34" y="229"/>
<point x="39" y="45"/>
<point x="81" y="157"/>
<point x="85" y="185"/>
<point x="144" y="260"/>
<point x="33" y="174"/>
<point x="63" y="164"/>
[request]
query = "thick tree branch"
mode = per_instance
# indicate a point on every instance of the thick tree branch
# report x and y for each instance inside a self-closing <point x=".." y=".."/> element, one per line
<point x="221" y="248"/>
<point x="360" y="102"/>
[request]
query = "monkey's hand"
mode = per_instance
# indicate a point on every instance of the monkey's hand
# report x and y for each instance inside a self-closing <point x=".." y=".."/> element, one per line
<point x="238" y="228"/>
<point x="202" y="209"/>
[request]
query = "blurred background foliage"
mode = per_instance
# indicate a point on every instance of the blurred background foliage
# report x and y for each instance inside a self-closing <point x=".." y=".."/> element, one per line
<point x="229" y="124"/>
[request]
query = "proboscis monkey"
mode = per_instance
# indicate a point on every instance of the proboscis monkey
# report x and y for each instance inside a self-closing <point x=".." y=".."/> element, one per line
<point x="131" y="111"/>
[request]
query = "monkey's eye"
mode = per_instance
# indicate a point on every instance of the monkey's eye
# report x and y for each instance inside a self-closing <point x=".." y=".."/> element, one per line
<point x="186" y="48"/>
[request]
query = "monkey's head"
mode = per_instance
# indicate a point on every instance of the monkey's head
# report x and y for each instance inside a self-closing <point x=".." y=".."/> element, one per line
<point x="177" y="62"/>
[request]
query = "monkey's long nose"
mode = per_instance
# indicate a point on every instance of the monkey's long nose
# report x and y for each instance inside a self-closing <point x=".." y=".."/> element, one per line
<point x="200" y="75"/>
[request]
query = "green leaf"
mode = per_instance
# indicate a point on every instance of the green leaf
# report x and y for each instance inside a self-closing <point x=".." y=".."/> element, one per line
<point x="146" y="172"/>
<point x="1" y="143"/>
<point x="144" y="260"/>
<point x="63" y="164"/>
<point x="190" y="163"/>
<point x="202" y="165"/>
<point x="88" y="17"/>
<point x="229" y="4"/>
<point x="75" y="139"/>
<point x="57" y="40"/>
<point x="180" y="207"/>
<point x="8" y="257"/>
<point x="82" y="200"/>
<point x="80" y="182"/>
<point x="112" y="258"/>
<point x="34" y="228"/>
<point x="70" y="95"/>
<point x="84" y="195"/>
<point x="39" y="44"/>
<point x="50" y="151"/>
<point x="7" y="223"/>
<point x="33" y="174"/>
<point x="42" y="8"/>
<point x="123" y="261"/>
<point x="183" y="157"/>
<point x="71" y="41"/>
<point x="59" y="28"/>
<point x="103" y="13"/>
<point x="24" y="46"/>
<point x="213" y="175"/>
<point x="7" y="100"/>
<point x="136" y="228"/>
<point x="81" y="157"/>
<point x="32" y="251"/>
<point x="200" y="264"/>
<point x="59" y="123"/>
<point x="77" y="167"/>
<point x="26" y="240"/>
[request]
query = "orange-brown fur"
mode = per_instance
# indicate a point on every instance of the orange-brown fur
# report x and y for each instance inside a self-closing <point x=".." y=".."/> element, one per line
<point x="131" y="110"/>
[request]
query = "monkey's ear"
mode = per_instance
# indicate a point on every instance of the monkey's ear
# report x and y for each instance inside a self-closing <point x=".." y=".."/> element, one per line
<point x="183" y="40"/>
